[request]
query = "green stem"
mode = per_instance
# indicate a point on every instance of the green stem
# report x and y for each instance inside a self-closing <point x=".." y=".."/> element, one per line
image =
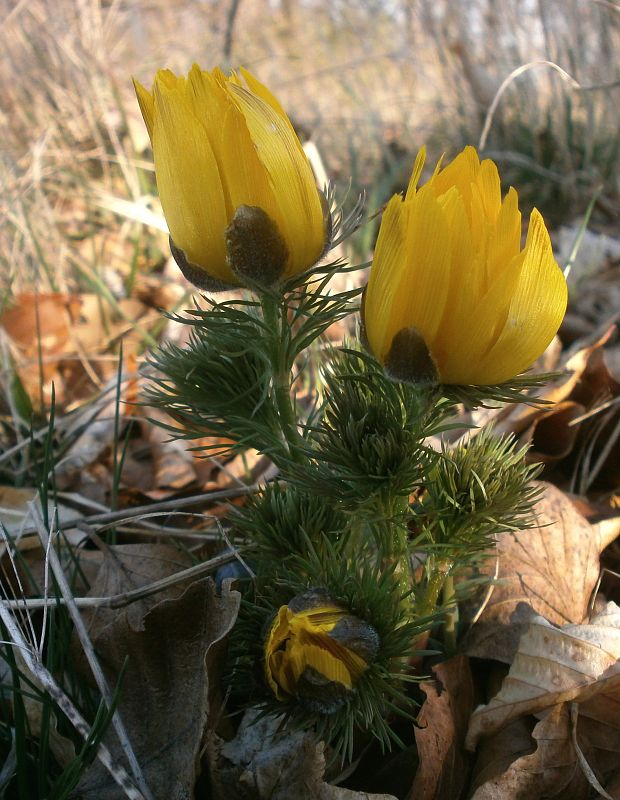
<point x="436" y="586"/>
<point x="452" y="616"/>
<point x="392" y="541"/>
<point x="274" y="316"/>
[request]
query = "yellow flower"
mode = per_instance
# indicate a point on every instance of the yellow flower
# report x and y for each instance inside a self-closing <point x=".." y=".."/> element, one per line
<point x="316" y="651"/>
<point x="451" y="295"/>
<point x="235" y="185"/>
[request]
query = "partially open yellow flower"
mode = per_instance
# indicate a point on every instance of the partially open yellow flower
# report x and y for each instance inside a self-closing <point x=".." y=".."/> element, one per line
<point x="235" y="185"/>
<point x="452" y="296"/>
<point x="316" y="651"/>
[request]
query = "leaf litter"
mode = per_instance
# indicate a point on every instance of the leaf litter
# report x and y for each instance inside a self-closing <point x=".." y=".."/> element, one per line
<point x="540" y="659"/>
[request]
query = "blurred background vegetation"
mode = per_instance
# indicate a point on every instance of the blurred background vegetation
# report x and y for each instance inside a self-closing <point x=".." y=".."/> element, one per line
<point x="368" y="81"/>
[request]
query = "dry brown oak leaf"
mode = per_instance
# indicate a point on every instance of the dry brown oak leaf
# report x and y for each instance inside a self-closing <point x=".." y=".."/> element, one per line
<point x="440" y="732"/>
<point x="575" y="671"/>
<point x="170" y="690"/>
<point x="549" y="569"/>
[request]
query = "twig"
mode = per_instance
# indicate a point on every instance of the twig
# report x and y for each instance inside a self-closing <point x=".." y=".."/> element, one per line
<point x="230" y="23"/>
<point x="89" y="650"/>
<point x="164" y="505"/>
<point x="126" y="598"/>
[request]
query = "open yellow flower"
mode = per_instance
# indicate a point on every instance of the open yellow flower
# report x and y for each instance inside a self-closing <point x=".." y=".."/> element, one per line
<point x="316" y="651"/>
<point x="235" y="185"/>
<point x="451" y="295"/>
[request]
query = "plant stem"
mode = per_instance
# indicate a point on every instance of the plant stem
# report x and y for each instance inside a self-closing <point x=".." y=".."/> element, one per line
<point x="440" y="576"/>
<point x="452" y="616"/>
<point x="274" y="316"/>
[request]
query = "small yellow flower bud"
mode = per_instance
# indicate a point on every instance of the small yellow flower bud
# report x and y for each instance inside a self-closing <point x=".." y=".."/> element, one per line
<point x="235" y="185"/>
<point x="316" y="651"/>
<point x="452" y="297"/>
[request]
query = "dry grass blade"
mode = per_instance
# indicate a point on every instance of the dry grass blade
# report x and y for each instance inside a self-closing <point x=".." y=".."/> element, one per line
<point x="89" y="650"/>
<point x="42" y="675"/>
<point x="506" y="83"/>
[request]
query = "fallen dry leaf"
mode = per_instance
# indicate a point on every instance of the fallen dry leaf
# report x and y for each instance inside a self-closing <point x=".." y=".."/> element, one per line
<point x="164" y="700"/>
<point x="570" y="679"/>
<point x="97" y="426"/>
<point x="495" y="754"/>
<point x="16" y="515"/>
<point x="550" y="569"/>
<point x="125" y="568"/>
<point x="259" y="764"/>
<point x="440" y="733"/>
<point x="551" y="435"/>
<point x="547" y="772"/>
<point x="39" y="327"/>
<point x="552" y="666"/>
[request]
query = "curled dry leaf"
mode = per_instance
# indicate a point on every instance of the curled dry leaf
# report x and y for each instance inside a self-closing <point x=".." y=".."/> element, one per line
<point x="553" y="665"/>
<point x="550" y="569"/>
<point x="173" y="462"/>
<point x="570" y="679"/>
<point x="169" y="692"/>
<point x="547" y="772"/>
<point x="440" y="732"/>
<point x="262" y="764"/>
<point x="98" y="425"/>
<point x="552" y="435"/>
<point x="495" y="754"/>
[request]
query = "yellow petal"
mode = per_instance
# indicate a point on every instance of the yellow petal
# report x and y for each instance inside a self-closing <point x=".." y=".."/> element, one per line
<point x="461" y="172"/>
<point x="244" y="179"/>
<point x="280" y="628"/>
<point x="536" y="309"/>
<point x="488" y="184"/>
<point x="167" y="78"/>
<point x="301" y="214"/>
<point x="283" y="673"/>
<point x="354" y="664"/>
<point x="319" y="620"/>
<point x="466" y="279"/>
<point x="415" y="175"/>
<point x="188" y="179"/>
<point x="410" y="277"/>
<point x="326" y="664"/>
<point x="477" y="331"/>
<point x="210" y="102"/>
<point x="145" y="101"/>
<point x="505" y="240"/>
<point x="424" y="284"/>
<point x="260" y="90"/>
<point x="390" y="259"/>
